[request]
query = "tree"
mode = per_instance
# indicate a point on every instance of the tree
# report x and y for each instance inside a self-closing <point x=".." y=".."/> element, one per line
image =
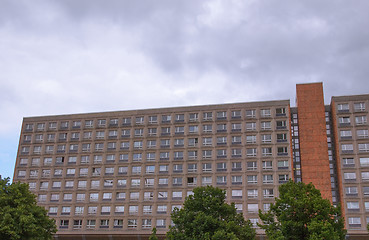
<point x="205" y="215"/>
<point x="20" y="217"/>
<point x="153" y="235"/>
<point x="301" y="213"/>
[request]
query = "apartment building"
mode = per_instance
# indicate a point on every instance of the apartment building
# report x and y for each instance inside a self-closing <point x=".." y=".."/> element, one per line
<point x="116" y="175"/>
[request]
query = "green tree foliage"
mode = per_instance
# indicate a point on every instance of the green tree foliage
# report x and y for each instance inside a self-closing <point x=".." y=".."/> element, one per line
<point x="206" y="216"/>
<point x="20" y="217"/>
<point x="301" y="213"/>
<point x="153" y="235"/>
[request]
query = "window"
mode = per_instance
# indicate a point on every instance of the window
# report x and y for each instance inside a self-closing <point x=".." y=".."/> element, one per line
<point x="150" y="156"/>
<point x="179" y="130"/>
<point x="252" y="179"/>
<point x="280" y="112"/>
<point x="64" y="223"/>
<point x="365" y="176"/>
<point x="52" y="125"/>
<point x="281" y="137"/>
<point x="221" y="180"/>
<point x="176" y="195"/>
<point x="266" y="151"/>
<point x="161" y="209"/>
<point x="44" y="185"/>
<point x="179" y="118"/>
<point x="251" y="152"/>
<point x="221" y="167"/>
<point x="208" y="128"/>
<point x="72" y="160"/>
<point x="163" y="181"/>
<point x="89" y="123"/>
<point x="344" y="121"/>
<point x="347" y="148"/>
<point x="137" y="157"/>
<point x="348" y="162"/>
<point x="192" y="154"/>
<point x="252" y="165"/>
<point x="206" y="167"/>
<point x="193" y="129"/>
<point x="343" y="107"/>
<point x="207" y="141"/>
<point x="267" y="165"/>
<point x="104" y="223"/>
<point x="362" y="133"/>
<point x="162" y="195"/>
<point x="148" y="195"/>
<point x="283" y="178"/>
<point x="53" y="210"/>
<point x="359" y="107"/>
<point x="165" y="131"/>
<point x="21" y="173"/>
<point x="364" y="162"/>
<point x="354" y="222"/>
<point x="139" y="132"/>
<point x="266" y="206"/>
<point x="345" y="134"/>
<point x="65" y="211"/>
<point x="236" y="194"/>
<point x="122" y="170"/>
<point x="351" y="191"/>
<point x="177" y="168"/>
<point x="252" y="193"/>
<point x="282" y="151"/>
<point x="268" y="179"/>
<point x="251" y="139"/>
<point x="126" y="133"/>
<point x="78" y="210"/>
<point x="101" y="122"/>
<point x="266" y="125"/>
<point x="206" y="181"/>
<point x="121" y="196"/>
<point x="265" y="113"/>
<point x="133" y="209"/>
<point x="236" y="166"/>
<point x="268" y="193"/>
<point x="160" y="223"/>
<point x="251" y="113"/>
<point x="146" y="223"/>
<point x="164" y="155"/>
<point x="179" y="142"/>
<point x="222" y="140"/>
<point x="121" y="182"/>
<point x="237" y="179"/>
<point x="147" y="209"/>
<point x="283" y="164"/>
<point x="136" y="169"/>
<point x="153" y="119"/>
<point x="126" y="121"/>
<point x="178" y="155"/>
<point x="164" y="143"/>
<point x="363" y="147"/>
<point x="140" y="120"/>
<point x="222" y="115"/>
<point x="252" y="207"/>
<point x="135" y="182"/>
<point x="163" y="168"/>
<point x="149" y="182"/>
<point x="236" y="139"/>
<point x="191" y="181"/>
<point x="360" y="120"/>
<point x="222" y="127"/>
<point x="207" y="116"/>
<point x="236" y="127"/>
<point x="221" y="153"/>
<point x="54" y="197"/>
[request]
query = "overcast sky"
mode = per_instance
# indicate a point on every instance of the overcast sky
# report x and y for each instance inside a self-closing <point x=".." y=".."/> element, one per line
<point x="72" y="56"/>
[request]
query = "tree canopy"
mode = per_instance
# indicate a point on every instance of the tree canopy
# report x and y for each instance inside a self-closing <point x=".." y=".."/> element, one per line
<point x="301" y="213"/>
<point x="205" y="215"/>
<point x="20" y="217"/>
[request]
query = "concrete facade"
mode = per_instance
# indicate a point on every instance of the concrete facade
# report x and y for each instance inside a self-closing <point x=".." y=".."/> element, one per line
<point x="116" y="175"/>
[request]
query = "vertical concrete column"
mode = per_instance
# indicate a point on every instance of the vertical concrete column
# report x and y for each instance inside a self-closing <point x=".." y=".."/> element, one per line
<point x="313" y="137"/>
